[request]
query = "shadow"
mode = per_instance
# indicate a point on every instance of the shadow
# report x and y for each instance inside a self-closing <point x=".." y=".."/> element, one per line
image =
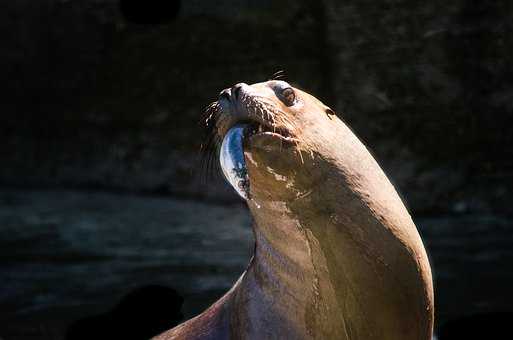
<point x="494" y="325"/>
<point x="152" y="13"/>
<point x="141" y="314"/>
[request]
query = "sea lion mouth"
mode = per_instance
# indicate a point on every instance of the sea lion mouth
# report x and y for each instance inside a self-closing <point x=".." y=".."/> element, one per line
<point x="231" y="155"/>
<point x="245" y="119"/>
<point x="258" y="130"/>
<point x="243" y="104"/>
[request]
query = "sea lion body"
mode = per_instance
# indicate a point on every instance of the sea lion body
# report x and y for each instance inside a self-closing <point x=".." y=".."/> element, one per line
<point x="337" y="255"/>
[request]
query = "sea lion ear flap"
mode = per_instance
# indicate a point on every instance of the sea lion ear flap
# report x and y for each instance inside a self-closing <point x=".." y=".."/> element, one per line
<point x="329" y="112"/>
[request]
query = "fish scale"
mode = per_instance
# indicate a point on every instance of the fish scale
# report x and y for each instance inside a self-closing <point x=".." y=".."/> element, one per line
<point x="232" y="160"/>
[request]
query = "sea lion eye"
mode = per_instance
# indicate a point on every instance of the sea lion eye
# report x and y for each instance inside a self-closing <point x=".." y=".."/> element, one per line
<point x="330" y="113"/>
<point x="288" y="97"/>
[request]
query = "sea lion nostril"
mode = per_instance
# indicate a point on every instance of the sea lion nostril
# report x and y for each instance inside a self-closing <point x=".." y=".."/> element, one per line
<point x="236" y="89"/>
<point x="225" y="94"/>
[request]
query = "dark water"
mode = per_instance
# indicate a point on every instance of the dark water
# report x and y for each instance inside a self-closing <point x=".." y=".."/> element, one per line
<point x="65" y="255"/>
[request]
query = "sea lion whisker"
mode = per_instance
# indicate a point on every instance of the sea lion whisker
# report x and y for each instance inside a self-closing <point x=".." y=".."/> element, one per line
<point x="288" y="123"/>
<point x="209" y="148"/>
<point x="213" y="165"/>
<point x="211" y="141"/>
<point x="266" y="102"/>
<point x="268" y="114"/>
<point x="299" y="152"/>
<point x="220" y="121"/>
<point x="210" y="109"/>
<point x="280" y="74"/>
<point x="260" y="112"/>
<point x="273" y="122"/>
<point x="209" y="121"/>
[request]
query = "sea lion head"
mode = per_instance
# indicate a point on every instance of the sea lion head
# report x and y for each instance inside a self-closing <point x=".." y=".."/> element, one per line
<point x="282" y="127"/>
<point x="328" y="223"/>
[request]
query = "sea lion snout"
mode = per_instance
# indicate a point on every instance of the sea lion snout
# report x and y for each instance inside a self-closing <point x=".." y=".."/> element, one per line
<point x="258" y="122"/>
<point x="232" y="109"/>
<point x="237" y="88"/>
<point x="232" y="94"/>
<point x="262" y="106"/>
<point x="225" y="95"/>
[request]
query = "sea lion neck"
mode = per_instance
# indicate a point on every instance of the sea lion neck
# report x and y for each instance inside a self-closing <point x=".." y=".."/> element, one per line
<point x="335" y="247"/>
<point x="287" y="282"/>
<point x="283" y="253"/>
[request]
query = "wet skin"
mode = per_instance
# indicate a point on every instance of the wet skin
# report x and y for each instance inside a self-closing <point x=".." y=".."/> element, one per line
<point x="337" y="255"/>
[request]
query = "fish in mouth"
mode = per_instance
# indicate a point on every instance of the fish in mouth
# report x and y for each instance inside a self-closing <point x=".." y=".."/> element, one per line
<point x="242" y="113"/>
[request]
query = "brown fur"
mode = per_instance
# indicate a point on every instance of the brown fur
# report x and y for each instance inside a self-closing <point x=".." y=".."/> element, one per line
<point x="337" y="254"/>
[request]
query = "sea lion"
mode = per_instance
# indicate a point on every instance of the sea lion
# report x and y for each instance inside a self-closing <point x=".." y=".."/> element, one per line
<point x="337" y="255"/>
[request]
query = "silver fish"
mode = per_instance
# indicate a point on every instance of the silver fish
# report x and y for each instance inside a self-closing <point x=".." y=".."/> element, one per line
<point x="232" y="160"/>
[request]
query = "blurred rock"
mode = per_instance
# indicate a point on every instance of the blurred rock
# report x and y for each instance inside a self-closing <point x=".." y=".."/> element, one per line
<point x="94" y="99"/>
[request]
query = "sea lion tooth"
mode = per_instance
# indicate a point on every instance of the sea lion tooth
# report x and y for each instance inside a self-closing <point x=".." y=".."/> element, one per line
<point x="232" y="160"/>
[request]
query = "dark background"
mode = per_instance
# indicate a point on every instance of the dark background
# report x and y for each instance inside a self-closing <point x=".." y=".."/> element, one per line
<point x="100" y="185"/>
